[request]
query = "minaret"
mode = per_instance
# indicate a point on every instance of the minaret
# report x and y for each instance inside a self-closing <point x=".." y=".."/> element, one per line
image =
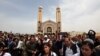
<point x="39" y="20"/>
<point x="58" y="19"/>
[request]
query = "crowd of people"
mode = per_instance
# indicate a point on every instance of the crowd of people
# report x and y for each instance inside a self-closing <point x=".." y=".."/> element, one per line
<point x="49" y="45"/>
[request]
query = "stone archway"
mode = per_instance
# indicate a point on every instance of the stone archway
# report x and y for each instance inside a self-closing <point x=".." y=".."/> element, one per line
<point x="49" y="30"/>
<point x="49" y="27"/>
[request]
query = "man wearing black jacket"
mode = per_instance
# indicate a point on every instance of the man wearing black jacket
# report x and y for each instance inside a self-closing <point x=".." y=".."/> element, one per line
<point x="70" y="49"/>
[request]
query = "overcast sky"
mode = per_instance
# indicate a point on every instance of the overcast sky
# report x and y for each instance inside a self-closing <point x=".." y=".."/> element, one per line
<point x="20" y="16"/>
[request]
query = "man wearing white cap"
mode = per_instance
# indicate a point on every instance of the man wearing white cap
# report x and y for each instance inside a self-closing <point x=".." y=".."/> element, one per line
<point x="46" y="39"/>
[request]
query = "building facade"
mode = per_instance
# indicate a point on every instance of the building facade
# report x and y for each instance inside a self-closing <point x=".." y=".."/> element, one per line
<point x="49" y="26"/>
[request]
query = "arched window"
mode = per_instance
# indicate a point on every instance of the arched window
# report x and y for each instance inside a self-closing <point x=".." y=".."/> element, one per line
<point x="49" y="30"/>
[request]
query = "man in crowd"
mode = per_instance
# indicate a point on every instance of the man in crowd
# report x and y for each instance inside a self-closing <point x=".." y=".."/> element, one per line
<point x="31" y="46"/>
<point x="70" y="49"/>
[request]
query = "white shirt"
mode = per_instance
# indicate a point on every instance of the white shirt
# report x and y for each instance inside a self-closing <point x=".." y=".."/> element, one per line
<point x="52" y="54"/>
<point x="6" y="54"/>
<point x="20" y="44"/>
<point x="46" y="41"/>
<point x="69" y="52"/>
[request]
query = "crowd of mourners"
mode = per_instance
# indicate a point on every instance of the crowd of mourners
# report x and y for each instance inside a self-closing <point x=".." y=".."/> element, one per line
<point x="86" y="44"/>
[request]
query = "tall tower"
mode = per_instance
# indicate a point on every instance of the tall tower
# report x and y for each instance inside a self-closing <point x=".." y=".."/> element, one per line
<point x="39" y="28"/>
<point x="58" y="19"/>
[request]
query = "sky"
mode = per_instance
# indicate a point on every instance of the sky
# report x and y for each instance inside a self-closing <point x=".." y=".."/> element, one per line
<point x="20" y="16"/>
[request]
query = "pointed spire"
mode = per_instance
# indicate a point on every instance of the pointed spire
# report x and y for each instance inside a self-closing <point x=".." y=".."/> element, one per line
<point x="39" y="19"/>
<point x="58" y="7"/>
<point x="58" y="19"/>
<point x="58" y="14"/>
<point x="40" y="14"/>
<point x="40" y="7"/>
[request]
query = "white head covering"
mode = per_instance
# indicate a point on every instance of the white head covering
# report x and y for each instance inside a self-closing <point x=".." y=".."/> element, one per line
<point x="90" y="40"/>
<point x="45" y="36"/>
